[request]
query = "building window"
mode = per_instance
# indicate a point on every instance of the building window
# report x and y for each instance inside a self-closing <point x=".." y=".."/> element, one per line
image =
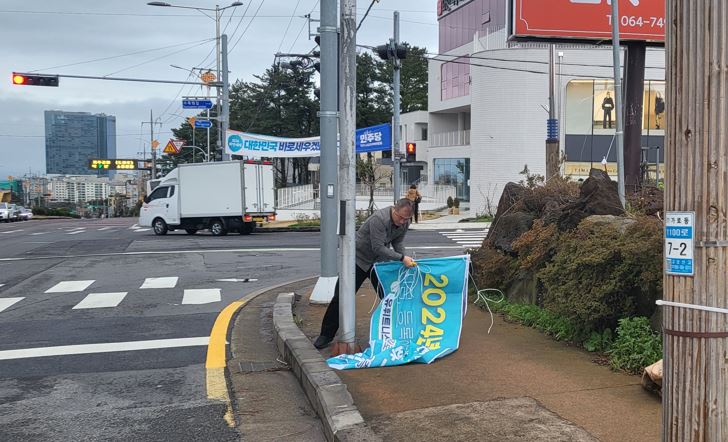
<point x="455" y="78"/>
<point x="424" y="133"/>
<point x="453" y="172"/>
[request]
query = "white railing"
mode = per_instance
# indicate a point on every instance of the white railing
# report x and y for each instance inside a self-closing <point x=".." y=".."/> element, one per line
<point x="298" y="196"/>
<point x="295" y="196"/>
<point x="454" y="138"/>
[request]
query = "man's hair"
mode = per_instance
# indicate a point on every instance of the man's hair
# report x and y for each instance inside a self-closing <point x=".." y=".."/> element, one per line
<point x="405" y="204"/>
<point x="413" y="186"/>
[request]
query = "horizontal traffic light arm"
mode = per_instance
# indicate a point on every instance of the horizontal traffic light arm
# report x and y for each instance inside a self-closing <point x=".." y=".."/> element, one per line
<point x="34" y="79"/>
<point x="17" y="76"/>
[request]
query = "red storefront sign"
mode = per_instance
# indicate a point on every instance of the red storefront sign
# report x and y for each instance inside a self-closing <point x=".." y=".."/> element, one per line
<point x="588" y="19"/>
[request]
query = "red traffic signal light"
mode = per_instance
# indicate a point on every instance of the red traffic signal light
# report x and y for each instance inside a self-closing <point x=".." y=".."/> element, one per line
<point x="35" y="80"/>
<point x="411" y="148"/>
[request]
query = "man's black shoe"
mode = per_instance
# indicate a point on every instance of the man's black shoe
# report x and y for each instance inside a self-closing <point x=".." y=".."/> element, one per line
<point x="322" y="342"/>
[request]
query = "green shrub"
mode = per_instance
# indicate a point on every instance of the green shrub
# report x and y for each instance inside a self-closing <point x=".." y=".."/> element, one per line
<point x="493" y="268"/>
<point x="600" y="274"/>
<point x="636" y="346"/>
<point x="559" y="327"/>
<point x="450" y="202"/>
<point x="600" y="342"/>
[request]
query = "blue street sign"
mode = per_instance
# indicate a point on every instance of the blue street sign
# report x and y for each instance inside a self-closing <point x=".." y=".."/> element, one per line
<point x="372" y="139"/>
<point x="205" y="124"/>
<point x="196" y="104"/>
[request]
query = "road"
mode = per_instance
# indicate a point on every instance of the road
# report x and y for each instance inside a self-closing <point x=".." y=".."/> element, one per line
<point x="105" y="326"/>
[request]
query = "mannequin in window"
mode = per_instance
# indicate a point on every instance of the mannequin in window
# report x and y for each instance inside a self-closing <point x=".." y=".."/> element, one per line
<point x="659" y="110"/>
<point x="607" y="106"/>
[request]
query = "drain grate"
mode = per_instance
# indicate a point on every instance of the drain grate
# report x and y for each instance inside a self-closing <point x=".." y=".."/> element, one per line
<point x="258" y="366"/>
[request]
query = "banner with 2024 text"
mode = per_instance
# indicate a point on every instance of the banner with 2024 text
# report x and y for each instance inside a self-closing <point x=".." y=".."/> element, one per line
<point x="421" y="316"/>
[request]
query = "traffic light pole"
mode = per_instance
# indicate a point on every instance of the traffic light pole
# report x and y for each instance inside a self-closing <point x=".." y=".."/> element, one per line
<point x="151" y="145"/>
<point x="225" y="121"/>
<point x="396" y="154"/>
<point x="324" y="289"/>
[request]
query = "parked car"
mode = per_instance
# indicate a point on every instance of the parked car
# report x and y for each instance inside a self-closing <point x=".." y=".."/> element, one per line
<point x="25" y="213"/>
<point x="5" y="212"/>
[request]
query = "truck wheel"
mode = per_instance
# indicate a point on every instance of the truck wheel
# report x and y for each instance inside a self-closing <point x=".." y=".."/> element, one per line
<point x="191" y="231"/>
<point x="159" y="226"/>
<point x="217" y="228"/>
<point x="247" y="228"/>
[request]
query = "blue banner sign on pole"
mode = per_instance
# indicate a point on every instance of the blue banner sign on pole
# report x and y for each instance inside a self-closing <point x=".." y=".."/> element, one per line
<point x="375" y="138"/>
<point x="421" y="316"/>
<point x="196" y="104"/>
<point x="203" y="124"/>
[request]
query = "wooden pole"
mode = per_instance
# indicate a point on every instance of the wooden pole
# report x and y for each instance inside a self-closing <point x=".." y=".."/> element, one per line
<point x="634" y="75"/>
<point x="695" y="387"/>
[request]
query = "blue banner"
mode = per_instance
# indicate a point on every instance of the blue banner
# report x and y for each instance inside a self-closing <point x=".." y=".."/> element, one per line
<point x="375" y="138"/>
<point x="420" y="317"/>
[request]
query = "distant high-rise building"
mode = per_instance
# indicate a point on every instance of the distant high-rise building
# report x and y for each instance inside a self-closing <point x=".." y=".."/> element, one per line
<point x="72" y="138"/>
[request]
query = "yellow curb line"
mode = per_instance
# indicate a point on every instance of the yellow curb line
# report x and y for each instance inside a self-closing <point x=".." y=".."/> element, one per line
<point x="217" y="361"/>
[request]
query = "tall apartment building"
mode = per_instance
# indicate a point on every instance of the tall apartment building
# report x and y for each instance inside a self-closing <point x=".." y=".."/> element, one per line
<point x="72" y="138"/>
<point x="488" y="101"/>
<point x="78" y="189"/>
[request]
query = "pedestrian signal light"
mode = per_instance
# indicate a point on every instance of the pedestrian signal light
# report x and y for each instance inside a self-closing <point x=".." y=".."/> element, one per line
<point x="34" y="80"/>
<point x="411" y="148"/>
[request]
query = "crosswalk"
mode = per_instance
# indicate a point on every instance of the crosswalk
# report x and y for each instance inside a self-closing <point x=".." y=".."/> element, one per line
<point x="100" y="299"/>
<point x="81" y="230"/>
<point x="469" y="239"/>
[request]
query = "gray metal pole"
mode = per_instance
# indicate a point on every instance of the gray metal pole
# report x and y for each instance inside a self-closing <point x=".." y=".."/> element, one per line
<point x="218" y="108"/>
<point x="151" y="145"/>
<point x="324" y="289"/>
<point x="347" y="175"/>
<point x="225" y="122"/>
<point x="618" y="101"/>
<point x="207" y="160"/>
<point x="395" y="120"/>
<point x="552" y="78"/>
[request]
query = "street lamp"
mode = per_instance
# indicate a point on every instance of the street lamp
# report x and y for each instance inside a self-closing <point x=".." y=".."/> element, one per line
<point x="223" y="123"/>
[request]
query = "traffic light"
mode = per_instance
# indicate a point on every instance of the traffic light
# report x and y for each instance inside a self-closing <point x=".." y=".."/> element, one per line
<point x="34" y="80"/>
<point x="411" y="152"/>
<point x="390" y="50"/>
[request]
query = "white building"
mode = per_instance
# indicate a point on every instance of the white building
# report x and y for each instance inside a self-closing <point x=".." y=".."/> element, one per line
<point x="78" y="189"/>
<point x="488" y="101"/>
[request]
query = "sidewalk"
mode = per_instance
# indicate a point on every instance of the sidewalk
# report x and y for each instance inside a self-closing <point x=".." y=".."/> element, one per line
<point x="514" y="384"/>
<point x="448" y="222"/>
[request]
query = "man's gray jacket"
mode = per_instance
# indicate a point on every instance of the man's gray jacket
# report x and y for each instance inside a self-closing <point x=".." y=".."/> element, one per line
<point x="376" y="235"/>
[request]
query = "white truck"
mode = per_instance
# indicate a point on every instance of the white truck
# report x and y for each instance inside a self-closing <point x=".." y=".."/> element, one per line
<point x="227" y="196"/>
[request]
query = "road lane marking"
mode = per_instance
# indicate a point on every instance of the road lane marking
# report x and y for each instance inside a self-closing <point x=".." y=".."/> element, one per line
<point x="76" y="232"/>
<point x="141" y="230"/>
<point x="70" y="286"/>
<point x="39" y="233"/>
<point x="160" y="283"/>
<point x="201" y="296"/>
<point x="216" y="362"/>
<point x="7" y="302"/>
<point x="12" y="231"/>
<point x="2" y="285"/>
<point x="110" y="347"/>
<point x="203" y="251"/>
<point x="100" y="300"/>
<point x="104" y="228"/>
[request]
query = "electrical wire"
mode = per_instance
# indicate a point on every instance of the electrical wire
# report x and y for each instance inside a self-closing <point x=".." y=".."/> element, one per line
<point x="303" y="26"/>
<point x="151" y="60"/>
<point x="260" y="5"/>
<point x="366" y="13"/>
<point x="289" y="25"/>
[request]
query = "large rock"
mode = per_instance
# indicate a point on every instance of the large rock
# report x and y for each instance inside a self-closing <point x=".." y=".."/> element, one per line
<point x="597" y="196"/>
<point x="508" y="228"/>
<point x="512" y="194"/>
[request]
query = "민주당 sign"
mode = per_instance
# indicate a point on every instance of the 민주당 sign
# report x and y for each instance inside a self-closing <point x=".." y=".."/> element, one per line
<point x="420" y="317"/>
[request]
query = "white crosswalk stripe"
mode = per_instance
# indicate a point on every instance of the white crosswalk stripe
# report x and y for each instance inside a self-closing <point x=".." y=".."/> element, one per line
<point x="76" y="232"/>
<point x="70" y="286"/>
<point x="160" y="283"/>
<point x="470" y="239"/>
<point x="12" y="231"/>
<point x="201" y="296"/>
<point x="2" y="285"/>
<point x="141" y="230"/>
<point x="7" y="302"/>
<point x="101" y="300"/>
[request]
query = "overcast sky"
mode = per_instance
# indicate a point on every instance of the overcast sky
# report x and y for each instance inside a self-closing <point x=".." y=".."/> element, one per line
<point x="127" y="38"/>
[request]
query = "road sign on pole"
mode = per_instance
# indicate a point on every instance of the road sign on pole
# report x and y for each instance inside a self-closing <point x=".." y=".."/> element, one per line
<point x="203" y="124"/>
<point x="196" y="104"/>
<point x="173" y="146"/>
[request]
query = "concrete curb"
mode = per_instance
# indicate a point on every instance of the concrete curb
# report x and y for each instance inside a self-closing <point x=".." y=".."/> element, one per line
<point x="328" y="395"/>
<point x="286" y="229"/>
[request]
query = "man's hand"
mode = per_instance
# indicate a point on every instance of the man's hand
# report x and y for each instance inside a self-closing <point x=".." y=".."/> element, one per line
<point x="408" y="262"/>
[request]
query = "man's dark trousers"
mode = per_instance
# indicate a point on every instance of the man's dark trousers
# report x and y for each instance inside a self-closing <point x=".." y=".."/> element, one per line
<point x="330" y="324"/>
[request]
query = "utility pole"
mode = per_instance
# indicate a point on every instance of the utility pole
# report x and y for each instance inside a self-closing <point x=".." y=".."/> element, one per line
<point x="552" y="126"/>
<point x="225" y="120"/>
<point x="396" y="155"/>
<point x="618" y="100"/>
<point x="151" y="145"/>
<point x="634" y="74"/>
<point x="695" y="402"/>
<point x="324" y="289"/>
<point x="347" y="181"/>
